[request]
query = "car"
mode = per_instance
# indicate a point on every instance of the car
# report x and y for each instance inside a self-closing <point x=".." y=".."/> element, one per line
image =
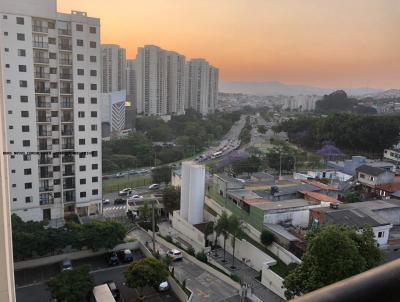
<point x="66" y="265"/>
<point x="175" y="254"/>
<point x="154" y="187"/>
<point x="125" y="192"/>
<point x="106" y="201"/>
<point x="114" y="290"/>
<point x="136" y="196"/>
<point x="133" y="172"/>
<point x="125" y="255"/>
<point x="113" y="259"/>
<point x="164" y="286"/>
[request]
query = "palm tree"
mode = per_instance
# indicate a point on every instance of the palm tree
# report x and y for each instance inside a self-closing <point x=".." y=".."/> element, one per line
<point x="208" y="230"/>
<point x="235" y="226"/>
<point x="221" y="228"/>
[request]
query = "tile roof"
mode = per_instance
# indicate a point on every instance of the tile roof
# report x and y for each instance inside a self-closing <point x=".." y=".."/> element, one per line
<point x="369" y="170"/>
<point x="321" y="197"/>
<point x="320" y="185"/>
<point x="393" y="187"/>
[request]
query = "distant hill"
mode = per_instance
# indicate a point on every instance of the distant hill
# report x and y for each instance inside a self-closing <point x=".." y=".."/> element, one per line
<point x="278" y="88"/>
<point x="387" y="94"/>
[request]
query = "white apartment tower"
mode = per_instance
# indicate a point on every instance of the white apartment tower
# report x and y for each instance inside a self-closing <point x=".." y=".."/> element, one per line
<point x="131" y="81"/>
<point x="160" y="81"/>
<point x="201" y="86"/>
<point x="51" y="79"/>
<point x="113" y="65"/>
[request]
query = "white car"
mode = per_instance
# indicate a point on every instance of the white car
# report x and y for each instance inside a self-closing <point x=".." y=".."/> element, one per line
<point x="106" y="201"/>
<point x="125" y="192"/>
<point x="164" y="286"/>
<point x="136" y="197"/>
<point x="175" y="254"/>
<point x="154" y="187"/>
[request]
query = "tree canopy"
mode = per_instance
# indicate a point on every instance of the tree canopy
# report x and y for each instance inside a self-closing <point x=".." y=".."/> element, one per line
<point x="333" y="253"/>
<point x="171" y="198"/>
<point x="161" y="174"/>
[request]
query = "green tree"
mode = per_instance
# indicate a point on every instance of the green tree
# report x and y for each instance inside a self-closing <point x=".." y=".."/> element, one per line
<point x="146" y="272"/>
<point x="145" y="212"/>
<point x="267" y="237"/>
<point x="262" y="129"/>
<point x="208" y="230"/>
<point x="235" y="226"/>
<point x="171" y="198"/>
<point x="222" y="228"/>
<point x="161" y="174"/>
<point x="352" y="197"/>
<point x="103" y="234"/>
<point x="71" y="285"/>
<point x="250" y="165"/>
<point x="333" y="254"/>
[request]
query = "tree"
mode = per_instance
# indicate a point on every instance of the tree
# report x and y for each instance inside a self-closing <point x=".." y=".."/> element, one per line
<point x="71" y="285"/>
<point x="146" y="272"/>
<point x="249" y="165"/>
<point x="103" y="234"/>
<point x="145" y="212"/>
<point x="171" y="199"/>
<point x="222" y="228"/>
<point x="235" y="226"/>
<point x="267" y="237"/>
<point x="333" y="253"/>
<point x="161" y="174"/>
<point x="352" y="197"/>
<point x="261" y="129"/>
<point x="208" y="230"/>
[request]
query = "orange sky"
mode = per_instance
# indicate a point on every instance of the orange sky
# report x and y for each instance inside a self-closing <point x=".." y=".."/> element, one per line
<point x="331" y="43"/>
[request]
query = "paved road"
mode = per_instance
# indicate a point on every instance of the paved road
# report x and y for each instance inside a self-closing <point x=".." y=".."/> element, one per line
<point x="205" y="286"/>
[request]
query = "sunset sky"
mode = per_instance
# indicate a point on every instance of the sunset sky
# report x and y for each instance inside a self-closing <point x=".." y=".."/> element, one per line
<point x="329" y="43"/>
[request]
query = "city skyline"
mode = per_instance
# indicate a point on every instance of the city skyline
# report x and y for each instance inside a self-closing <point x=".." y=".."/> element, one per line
<point x="340" y="44"/>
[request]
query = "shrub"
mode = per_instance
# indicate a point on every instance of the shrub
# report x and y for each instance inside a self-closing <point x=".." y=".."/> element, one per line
<point x="202" y="256"/>
<point x="267" y="237"/>
<point x="191" y="251"/>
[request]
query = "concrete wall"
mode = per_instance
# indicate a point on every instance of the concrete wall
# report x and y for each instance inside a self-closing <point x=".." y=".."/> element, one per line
<point x="273" y="282"/>
<point x="297" y="217"/>
<point x="283" y="254"/>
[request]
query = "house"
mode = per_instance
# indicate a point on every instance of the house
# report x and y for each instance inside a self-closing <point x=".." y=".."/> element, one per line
<point x="387" y="190"/>
<point x="286" y="192"/>
<point x="319" y="198"/>
<point x="371" y="177"/>
<point x="324" y="188"/>
<point x="349" y="166"/>
<point x="352" y="217"/>
<point x="224" y="183"/>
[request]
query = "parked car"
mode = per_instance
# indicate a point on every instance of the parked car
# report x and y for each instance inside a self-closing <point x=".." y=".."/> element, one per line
<point x="119" y="201"/>
<point x="175" y="254"/>
<point x="114" y="290"/>
<point x="125" y="192"/>
<point x="66" y="265"/>
<point x="113" y="259"/>
<point x="164" y="286"/>
<point x="106" y="202"/>
<point x="154" y="187"/>
<point x="137" y="196"/>
<point x="125" y="255"/>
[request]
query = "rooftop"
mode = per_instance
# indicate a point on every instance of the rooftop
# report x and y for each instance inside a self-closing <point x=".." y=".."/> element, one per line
<point x="393" y="187"/>
<point x="370" y="170"/>
<point x="265" y="205"/>
<point x="287" y="190"/>
<point x="320" y="197"/>
<point x="320" y="185"/>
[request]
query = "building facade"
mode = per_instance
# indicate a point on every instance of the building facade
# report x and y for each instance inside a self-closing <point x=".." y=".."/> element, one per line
<point x="113" y="68"/>
<point x="131" y="81"/>
<point x="51" y="78"/>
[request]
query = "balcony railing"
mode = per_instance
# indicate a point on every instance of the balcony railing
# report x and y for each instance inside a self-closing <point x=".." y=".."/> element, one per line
<point x="45" y="189"/>
<point x="68" y="186"/>
<point x="46" y="201"/>
<point x="37" y="44"/>
<point x="69" y="173"/>
<point x="43" y="119"/>
<point x="68" y="132"/>
<point x="66" y="90"/>
<point x="42" y="90"/>
<point x="45" y="147"/>
<point x="68" y="146"/>
<point x="67" y="104"/>
<point x="65" y="62"/>
<point x="46" y="175"/>
<point x="44" y="133"/>
<point x="67" y="47"/>
<point x="39" y="29"/>
<point x="64" y="32"/>
<point x="65" y="76"/>
<point x="43" y="104"/>
<point x="42" y="75"/>
<point x="40" y="60"/>
<point x="68" y="159"/>
<point x="45" y="161"/>
<point x="378" y="284"/>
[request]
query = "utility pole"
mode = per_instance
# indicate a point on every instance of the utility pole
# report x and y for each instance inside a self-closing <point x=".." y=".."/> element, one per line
<point x="280" y="164"/>
<point x="153" y="226"/>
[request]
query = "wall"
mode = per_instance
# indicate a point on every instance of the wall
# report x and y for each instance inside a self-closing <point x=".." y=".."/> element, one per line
<point x="298" y="217"/>
<point x="273" y="282"/>
<point x="384" y="239"/>
<point x="283" y="254"/>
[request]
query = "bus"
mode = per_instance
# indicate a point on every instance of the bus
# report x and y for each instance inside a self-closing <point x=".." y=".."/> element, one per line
<point x="102" y="293"/>
<point x="217" y="154"/>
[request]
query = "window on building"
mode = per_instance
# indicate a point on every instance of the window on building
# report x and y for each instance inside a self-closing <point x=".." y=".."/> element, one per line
<point x="79" y="42"/>
<point x="82" y="181"/>
<point x="23" y="83"/>
<point x="93" y="113"/>
<point x="52" y="55"/>
<point x="93" y="59"/>
<point x="79" y="27"/>
<point x="80" y="57"/>
<point x="28" y="199"/>
<point x="93" y="73"/>
<point x="27" y="171"/>
<point x="93" y="127"/>
<point x="21" y="52"/>
<point x="24" y="99"/>
<point x="26" y="143"/>
<point x="28" y="185"/>
<point x="95" y="179"/>
<point x="24" y="113"/>
<point x="81" y="114"/>
<point x="57" y="181"/>
<point x="81" y="141"/>
<point x="81" y="127"/>
<point x="9" y="97"/>
<point x="82" y="155"/>
<point x="54" y="114"/>
<point x="82" y="194"/>
<point x="20" y="37"/>
<point x="93" y="44"/>
<point x="82" y="168"/>
<point x="22" y="68"/>
<point x="81" y="71"/>
<point x="81" y="86"/>
<point x="381" y="234"/>
<point x="56" y="168"/>
<point x="6" y="33"/>
<point x="94" y="140"/>
<point x="57" y="194"/>
<point x="25" y="128"/>
<point x="94" y="153"/>
<point x="52" y="41"/>
<point x="95" y="192"/>
<point x="20" y="20"/>
<point x="93" y="100"/>
<point x="92" y="30"/>
<point x="95" y="166"/>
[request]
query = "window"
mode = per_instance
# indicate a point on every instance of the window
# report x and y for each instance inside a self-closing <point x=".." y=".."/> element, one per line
<point x="82" y="155"/>
<point x="81" y="127"/>
<point x="54" y="99"/>
<point x="81" y="114"/>
<point x="24" y="99"/>
<point x="93" y="113"/>
<point x="51" y="25"/>
<point x="81" y="86"/>
<point x="23" y="83"/>
<point x="28" y="199"/>
<point x="57" y="181"/>
<point x="6" y="33"/>
<point x="11" y="142"/>
<point x="93" y="100"/>
<point x="52" y="41"/>
<point x="26" y="143"/>
<point x="24" y="113"/>
<point x="81" y="100"/>
<point x="362" y="175"/>
<point x="80" y="57"/>
<point x="381" y="234"/>
<point x="82" y="181"/>
<point x="53" y="70"/>
<point x="95" y="192"/>
<point x="94" y="140"/>
<point x="54" y="114"/>
<point x="82" y="168"/>
<point x="28" y="185"/>
<point x="95" y="179"/>
<point x="25" y="128"/>
<point x="81" y="141"/>
<point x="53" y="85"/>
<point x="93" y="44"/>
<point x="7" y="65"/>
<point x="21" y="52"/>
<point x="8" y="81"/>
<point x="20" y="20"/>
<point x="5" y="17"/>
<point x="57" y="194"/>
<point x="79" y="27"/>
<point x="95" y="166"/>
<point x="82" y="194"/>
<point x="22" y="68"/>
<point x="55" y="141"/>
<point x="14" y="185"/>
<point x="9" y="111"/>
<point x="93" y="59"/>
<point x="6" y="49"/>
<point x="94" y="153"/>
<point x="27" y="157"/>
<point x="54" y="128"/>
<point x="14" y="199"/>
<point x="79" y="42"/>
<point x="92" y="30"/>
<point x="93" y="73"/>
<point x="20" y="37"/>
<point x="10" y="127"/>
<point x="81" y="71"/>
<point x="93" y="86"/>
<point x="93" y="127"/>
<point x="56" y="168"/>
<point x="27" y="171"/>
<point x="52" y="55"/>
<point x="9" y="97"/>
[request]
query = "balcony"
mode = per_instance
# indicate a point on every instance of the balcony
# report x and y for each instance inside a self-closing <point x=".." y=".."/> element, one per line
<point x="41" y="45"/>
<point x="67" y="105"/>
<point x="69" y="173"/>
<point x="68" y="159"/>
<point x="43" y="104"/>
<point x="66" y="90"/>
<point x="40" y="29"/>
<point x="64" y="32"/>
<point x="65" y="76"/>
<point x="45" y="161"/>
<point x="42" y="75"/>
<point x="43" y="133"/>
<point x="68" y="132"/>
<point x="42" y="90"/>
<point x="46" y="175"/>
<point x="46" y="201"/>
<point x="40" y="60"/>
<point x="45" y="189"/>
<point x="68" y="186"/>
<point x="65" y="47"/>
<point x="43" y="119"/>
<point x="66" y="62"/>
<point x="45" y="147"/>
<point x="68" y="146"/>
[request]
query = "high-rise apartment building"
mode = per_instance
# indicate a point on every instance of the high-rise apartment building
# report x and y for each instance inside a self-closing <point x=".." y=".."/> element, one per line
<point x="51" y="82"/>
<point x="131" y="81"/>
<point x="113" y="66"/>
<point x="201" y="86"/>
<point x="160" y="81"/>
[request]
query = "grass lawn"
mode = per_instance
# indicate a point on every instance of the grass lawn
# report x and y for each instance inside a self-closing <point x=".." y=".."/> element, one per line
<point x="117" y="184"/>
